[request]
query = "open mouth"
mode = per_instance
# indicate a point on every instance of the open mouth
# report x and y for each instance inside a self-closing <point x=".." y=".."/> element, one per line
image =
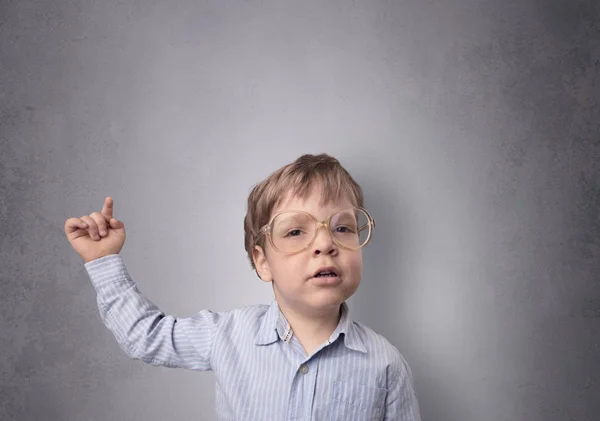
<point x="325" y="275"/>
<point x="328" y="272"/>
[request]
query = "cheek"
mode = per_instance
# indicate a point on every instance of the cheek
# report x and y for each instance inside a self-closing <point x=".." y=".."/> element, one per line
<point x="287" y="267"/>
<point x="354" y="262"/>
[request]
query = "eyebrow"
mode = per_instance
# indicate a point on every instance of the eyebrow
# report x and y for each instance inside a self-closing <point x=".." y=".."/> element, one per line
<point x="289" y="217"/>
<point x="305" y="212"/>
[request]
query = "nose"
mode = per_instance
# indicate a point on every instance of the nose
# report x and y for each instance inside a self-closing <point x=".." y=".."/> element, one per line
<point x="323" y="243"/>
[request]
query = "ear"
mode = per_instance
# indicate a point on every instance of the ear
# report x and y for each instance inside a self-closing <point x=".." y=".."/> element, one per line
<point x="261" y="264"/>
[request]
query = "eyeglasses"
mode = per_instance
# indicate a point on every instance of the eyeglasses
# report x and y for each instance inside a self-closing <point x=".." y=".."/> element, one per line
<point x="293" y="231"/>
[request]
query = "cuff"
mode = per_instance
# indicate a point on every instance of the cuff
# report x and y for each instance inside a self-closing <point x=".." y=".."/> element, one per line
<point x="108" y="270"/>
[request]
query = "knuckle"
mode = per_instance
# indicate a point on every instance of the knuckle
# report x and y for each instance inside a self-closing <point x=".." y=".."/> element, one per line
<point x="99" y="218"/>
<point x="91" y="223"/>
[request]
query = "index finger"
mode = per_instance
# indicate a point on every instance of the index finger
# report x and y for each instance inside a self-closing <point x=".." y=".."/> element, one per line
<point x="107" y="209"/>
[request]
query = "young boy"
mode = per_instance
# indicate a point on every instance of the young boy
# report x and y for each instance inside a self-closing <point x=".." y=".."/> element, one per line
<point x="300" y="358"/>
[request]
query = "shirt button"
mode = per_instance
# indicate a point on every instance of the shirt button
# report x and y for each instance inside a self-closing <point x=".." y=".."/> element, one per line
<point x="303" y="369"/>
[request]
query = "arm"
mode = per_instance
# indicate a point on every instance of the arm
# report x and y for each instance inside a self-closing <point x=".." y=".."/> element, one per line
<point x="141" y="329"/>
<point x="401" y="404"/>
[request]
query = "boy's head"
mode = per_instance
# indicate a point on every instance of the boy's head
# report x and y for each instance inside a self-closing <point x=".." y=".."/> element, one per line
<point x="310" y="187"/>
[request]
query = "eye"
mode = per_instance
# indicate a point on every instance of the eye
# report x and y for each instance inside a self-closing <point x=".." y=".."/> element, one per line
<point x="344" y="229"/>
<point x="293" y="233"/>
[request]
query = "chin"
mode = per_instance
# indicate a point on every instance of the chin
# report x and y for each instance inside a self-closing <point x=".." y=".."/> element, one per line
<point x="327" y="299"/>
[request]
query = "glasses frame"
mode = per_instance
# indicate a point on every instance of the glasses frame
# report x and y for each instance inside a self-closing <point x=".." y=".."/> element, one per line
<point x="266" y="229"/>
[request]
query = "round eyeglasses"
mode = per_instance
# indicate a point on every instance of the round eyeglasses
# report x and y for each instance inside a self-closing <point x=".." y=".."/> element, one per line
<point x="294" y="231"/>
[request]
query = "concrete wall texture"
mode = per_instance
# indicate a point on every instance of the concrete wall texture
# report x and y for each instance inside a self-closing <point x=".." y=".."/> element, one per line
<point x="473" y="127"/>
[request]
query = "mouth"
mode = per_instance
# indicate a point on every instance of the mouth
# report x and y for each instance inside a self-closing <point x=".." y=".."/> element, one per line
<point x="328" y="272"/>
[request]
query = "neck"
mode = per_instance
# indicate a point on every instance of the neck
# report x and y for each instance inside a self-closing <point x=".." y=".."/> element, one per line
<point x="311" y="328"/>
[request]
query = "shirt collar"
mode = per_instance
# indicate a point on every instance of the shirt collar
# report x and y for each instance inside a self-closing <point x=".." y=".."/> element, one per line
<point x="274" y="327"/>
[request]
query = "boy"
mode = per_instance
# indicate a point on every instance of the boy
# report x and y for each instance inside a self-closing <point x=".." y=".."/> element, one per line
<point x="300" y="358"/>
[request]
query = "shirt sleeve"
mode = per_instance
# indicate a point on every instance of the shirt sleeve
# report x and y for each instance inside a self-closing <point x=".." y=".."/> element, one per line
<point x="401" y="404"/>
<point x="141" y="329"/>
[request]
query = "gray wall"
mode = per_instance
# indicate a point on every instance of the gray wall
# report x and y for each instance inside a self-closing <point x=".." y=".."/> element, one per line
<point x="471" y="125"/>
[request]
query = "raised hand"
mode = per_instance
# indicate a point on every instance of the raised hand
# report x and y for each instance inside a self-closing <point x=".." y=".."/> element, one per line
<point x="97" y="234"/>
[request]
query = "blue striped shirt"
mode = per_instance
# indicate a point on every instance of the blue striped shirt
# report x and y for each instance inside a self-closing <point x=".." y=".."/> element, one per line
<point x="262" y="372"/>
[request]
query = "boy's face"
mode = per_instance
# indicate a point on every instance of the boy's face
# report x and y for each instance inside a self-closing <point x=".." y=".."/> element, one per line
<point x="294" y="283"/>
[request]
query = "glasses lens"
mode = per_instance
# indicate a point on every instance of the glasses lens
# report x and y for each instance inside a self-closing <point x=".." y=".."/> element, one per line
<point x="350" y="227"/>
<point x="292" y="231"/>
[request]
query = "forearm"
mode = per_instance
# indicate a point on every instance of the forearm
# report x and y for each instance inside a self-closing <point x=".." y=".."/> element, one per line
<point x="138" y="325"/>
<point x="141" y="329"/>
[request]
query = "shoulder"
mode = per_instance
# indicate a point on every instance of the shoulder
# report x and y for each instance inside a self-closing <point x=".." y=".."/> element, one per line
<point x="248" y="316"/>
<point x="245" y="319"/>
<point x="379" y="348"/>
<point x="245" y="316"/>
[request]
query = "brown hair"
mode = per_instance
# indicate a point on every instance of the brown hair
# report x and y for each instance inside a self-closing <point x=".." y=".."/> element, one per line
<point x="297" y="179"/>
